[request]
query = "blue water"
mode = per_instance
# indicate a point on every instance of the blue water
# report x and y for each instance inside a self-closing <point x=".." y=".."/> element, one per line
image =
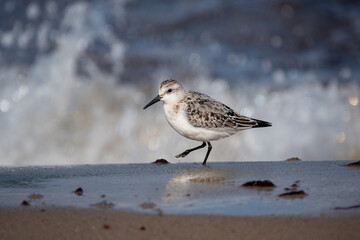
<point x="74" y="76"/>
<point x="188" y="188"/>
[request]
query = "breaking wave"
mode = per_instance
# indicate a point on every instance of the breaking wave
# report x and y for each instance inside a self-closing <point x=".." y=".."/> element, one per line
<point x="72" y="99"/>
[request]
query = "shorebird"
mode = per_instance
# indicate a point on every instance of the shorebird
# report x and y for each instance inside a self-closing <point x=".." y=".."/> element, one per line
<point x="198" y="117"/>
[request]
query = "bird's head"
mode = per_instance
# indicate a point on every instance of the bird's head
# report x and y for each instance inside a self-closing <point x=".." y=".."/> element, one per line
<point x="169" y="91"/>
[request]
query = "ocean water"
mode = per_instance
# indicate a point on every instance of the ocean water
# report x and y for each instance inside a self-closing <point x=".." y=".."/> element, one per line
<point x="74" y="76"/>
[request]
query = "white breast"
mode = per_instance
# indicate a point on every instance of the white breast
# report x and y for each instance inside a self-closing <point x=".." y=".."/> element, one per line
<point x="177" y="118"/>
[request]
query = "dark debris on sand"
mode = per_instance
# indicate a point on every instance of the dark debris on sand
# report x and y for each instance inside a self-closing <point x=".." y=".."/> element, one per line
<point x="106" y="226"/>
<point x="25" y="203"/>
<point x="266" y="184"/>
<point x="354" y="164"/>
<point x="79" y="191"/>
<point x="160" y="162"/>
<point x="293" y="194"/>
<point x="294" y="186"/>
<point x="347" y="208"/>
<point x="293" y="159"/>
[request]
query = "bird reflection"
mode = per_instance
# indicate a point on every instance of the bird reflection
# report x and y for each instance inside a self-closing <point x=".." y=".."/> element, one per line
<point x="188" y="183"/>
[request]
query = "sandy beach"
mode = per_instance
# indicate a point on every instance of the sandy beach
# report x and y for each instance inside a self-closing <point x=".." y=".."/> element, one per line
<point x="70" y="223"/>
<point x="246" y="200"/>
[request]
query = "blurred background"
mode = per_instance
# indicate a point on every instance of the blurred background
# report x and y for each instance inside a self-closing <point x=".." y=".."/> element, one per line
<point x="74" y="76"/>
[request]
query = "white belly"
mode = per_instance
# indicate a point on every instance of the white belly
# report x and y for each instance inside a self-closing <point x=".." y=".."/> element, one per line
<point x="179" y="121"/>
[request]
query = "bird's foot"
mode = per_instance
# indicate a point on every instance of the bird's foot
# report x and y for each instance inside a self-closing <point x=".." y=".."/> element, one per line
<point x="184" y="154"/>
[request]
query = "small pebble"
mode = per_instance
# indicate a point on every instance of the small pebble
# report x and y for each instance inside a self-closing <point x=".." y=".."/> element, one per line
<point x="79" y="191"/>
<point x="293" y="194"/>
<point x="160" y="161"/>
<point x="25" y="203"/>
<point x="259" y="184"/>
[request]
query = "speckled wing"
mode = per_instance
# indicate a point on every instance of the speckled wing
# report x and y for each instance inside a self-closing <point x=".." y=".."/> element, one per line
<point x="205" y="112"/>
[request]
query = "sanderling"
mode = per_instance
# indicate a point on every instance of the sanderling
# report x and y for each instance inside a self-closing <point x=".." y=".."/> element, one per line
<point x="199" y="117"/>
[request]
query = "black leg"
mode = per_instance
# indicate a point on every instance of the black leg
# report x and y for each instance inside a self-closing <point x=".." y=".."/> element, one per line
<point x="208" y="152"/>
<point x="184" y="154"/>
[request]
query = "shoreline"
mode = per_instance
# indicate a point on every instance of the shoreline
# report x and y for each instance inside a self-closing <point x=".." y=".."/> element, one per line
<point x="233" y="189"/>
<point x="182" y="201"/>
<point x="73" y="223"/>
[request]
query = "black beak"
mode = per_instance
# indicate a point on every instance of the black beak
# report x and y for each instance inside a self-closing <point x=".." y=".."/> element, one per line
<point x="155" y="100"/>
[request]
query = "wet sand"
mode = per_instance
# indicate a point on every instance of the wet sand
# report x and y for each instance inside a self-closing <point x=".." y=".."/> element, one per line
<point x="71" y="223"/>
<point x="239" y="189"/>
<point x="262" y="200"/>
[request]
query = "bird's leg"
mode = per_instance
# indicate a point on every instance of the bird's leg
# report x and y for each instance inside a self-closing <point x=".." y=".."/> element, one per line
<point x="184" y="154"/>
<point x="207" y="154"/>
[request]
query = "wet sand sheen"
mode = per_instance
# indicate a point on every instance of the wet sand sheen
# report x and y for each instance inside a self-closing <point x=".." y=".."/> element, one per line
<point x="70" y="223"/>
<point x="186" y="201"/>
<point x="236" y="189"/>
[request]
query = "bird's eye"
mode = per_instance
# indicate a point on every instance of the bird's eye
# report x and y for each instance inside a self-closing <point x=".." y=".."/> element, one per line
<point x="170" y="90"/>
